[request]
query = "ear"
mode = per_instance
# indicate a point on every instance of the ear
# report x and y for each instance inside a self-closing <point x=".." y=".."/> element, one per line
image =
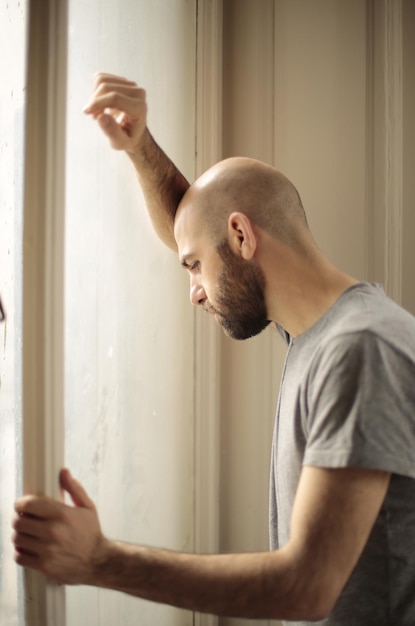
<point x="241" y="235"/>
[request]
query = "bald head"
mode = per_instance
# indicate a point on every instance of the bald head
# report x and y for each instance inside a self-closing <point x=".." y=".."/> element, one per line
<point x="258" y="190"/>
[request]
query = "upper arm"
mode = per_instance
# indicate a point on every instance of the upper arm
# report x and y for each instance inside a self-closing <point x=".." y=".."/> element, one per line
<point x="333" y="515"/>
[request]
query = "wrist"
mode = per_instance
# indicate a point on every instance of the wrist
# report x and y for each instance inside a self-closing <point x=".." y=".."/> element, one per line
<point x="100" y="564"/>
<point x="140" y="150"/>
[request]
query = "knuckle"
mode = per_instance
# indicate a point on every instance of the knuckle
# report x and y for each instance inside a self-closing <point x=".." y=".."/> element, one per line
<point x="64" y="516"/>
<point x="20" y="505"/>
<point x="55" y="534"/>
<point x="19" y="558"/>
<point x="100" y="89"/>
<point x="48" y="555"/>
<point x="99" y="77"/>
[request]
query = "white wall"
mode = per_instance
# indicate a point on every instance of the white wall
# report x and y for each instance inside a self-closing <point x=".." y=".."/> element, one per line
<point x="12" y="34"/>
<point x="129" y="325"/>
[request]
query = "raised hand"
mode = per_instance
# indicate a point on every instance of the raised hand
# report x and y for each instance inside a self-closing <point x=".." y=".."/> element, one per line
<point x="120" y="108"/>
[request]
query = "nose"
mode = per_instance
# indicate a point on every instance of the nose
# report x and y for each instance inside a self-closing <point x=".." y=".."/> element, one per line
<point x="197" y="293"/>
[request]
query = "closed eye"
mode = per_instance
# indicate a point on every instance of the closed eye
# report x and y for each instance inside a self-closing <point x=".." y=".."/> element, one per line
<point x="189" y="265"/>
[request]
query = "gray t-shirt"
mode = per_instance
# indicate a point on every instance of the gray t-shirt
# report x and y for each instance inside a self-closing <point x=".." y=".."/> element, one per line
<point x="347" y="399"/>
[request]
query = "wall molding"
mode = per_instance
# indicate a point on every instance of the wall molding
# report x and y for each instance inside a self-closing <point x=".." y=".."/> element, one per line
<point x="206" y="340"/>
<point x="393" y="89"/>
<point x="43" y="265"/>
<point x="208" y="84"/>
<point x="385" y="143"/>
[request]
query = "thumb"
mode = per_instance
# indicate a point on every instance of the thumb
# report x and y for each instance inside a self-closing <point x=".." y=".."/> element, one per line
<point x="78" y="494"/>
<point x="112" y="129"/>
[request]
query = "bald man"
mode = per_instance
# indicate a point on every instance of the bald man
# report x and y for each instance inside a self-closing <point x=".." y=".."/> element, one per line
<point x="342" y="495"/>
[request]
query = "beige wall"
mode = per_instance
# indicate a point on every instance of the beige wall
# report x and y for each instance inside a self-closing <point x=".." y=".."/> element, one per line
<point x="304" y="89"/>
<point x="408" y="257"/>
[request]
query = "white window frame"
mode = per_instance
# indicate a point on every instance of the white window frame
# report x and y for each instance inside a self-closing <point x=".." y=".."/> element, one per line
<point x="43" y="276"/>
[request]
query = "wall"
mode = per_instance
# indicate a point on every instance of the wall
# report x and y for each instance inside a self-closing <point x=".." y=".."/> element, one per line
<point x="12" y="34"/>
<point x="129" y="326"/>
<point x="408" y="199"/>
<point x="306" y="87"/>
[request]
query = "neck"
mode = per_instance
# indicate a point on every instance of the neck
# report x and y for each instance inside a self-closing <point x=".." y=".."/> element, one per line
<point x="298" y="296"/>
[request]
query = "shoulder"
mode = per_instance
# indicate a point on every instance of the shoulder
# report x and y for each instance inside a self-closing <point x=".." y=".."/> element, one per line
<point x="364" y="322"/>
<point x="363" y="356"/>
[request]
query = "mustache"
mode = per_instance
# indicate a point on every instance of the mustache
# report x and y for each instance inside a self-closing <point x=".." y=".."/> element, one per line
<point x="208" y="308"/>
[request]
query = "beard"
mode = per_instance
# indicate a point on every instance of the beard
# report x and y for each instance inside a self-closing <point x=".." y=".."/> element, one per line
<point x="240" y="297"/>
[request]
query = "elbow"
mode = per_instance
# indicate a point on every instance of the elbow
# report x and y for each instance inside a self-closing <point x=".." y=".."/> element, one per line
<point x="308" y="607"/>
<point x="317" y="596"/>
<point x="317" y="600"/>
<point x="318" y="610"/>
<point x="310" y="594"/>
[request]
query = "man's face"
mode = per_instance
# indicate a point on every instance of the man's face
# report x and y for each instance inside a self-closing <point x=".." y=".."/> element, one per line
<point x="239" y="297"/>
<point x="225" y="285"/>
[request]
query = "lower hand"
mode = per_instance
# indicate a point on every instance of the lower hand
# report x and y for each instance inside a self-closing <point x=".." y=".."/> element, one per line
<point x="65" y="543"/>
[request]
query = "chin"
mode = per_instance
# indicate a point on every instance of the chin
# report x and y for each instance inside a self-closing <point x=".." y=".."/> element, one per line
<point x="240" y="334"/>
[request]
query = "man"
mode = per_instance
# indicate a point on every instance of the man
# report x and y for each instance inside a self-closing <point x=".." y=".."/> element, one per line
<point x="343" y="478"/>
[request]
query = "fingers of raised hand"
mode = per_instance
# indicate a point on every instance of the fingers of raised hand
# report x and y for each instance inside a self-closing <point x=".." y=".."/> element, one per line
<point x="116" y="97"/>
<point x="105" y="77"/>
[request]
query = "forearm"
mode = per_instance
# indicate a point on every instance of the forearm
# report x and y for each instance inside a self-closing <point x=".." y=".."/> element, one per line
<point x="254" y="585"/>
<point x="162" y="184"/>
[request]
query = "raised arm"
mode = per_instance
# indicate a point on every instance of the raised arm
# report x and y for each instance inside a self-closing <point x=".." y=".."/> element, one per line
<point x="333" y="515"/>
<point x="120" y="108"/>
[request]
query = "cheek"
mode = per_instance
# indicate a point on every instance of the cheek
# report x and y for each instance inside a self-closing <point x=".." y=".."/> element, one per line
<point x="212" y="289"/>
<point x="210" y="293"/>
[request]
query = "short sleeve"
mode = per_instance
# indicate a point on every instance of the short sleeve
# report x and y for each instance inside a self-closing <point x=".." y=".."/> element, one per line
<point x="359" y="403"/>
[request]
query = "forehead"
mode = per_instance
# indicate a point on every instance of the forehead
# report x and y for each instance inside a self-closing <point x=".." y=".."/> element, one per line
<point x="188" y="229"/>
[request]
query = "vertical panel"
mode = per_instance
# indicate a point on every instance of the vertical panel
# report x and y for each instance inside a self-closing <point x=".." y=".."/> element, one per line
<point x="248" y="102"/>
<point x="408" y="180"/>
<point x="376" y="152"/>
<point x="207" y="343"/>
<point x="320" y="120"/>
<point x="12" y="37"/>
<point x="43" y="277"/>
<point x="393" y="152"/>
<point x="392" y="158"/>
<point x="295" y="96"/>
<point x="250" y="369"/>
<point x="129" y="333"/>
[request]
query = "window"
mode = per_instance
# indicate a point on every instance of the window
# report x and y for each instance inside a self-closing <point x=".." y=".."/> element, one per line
<point x="129" y="426"/>
<point x="12" y="37"/>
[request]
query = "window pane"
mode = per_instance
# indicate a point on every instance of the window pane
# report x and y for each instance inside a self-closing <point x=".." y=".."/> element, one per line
<point x="12" y="48"/>
<point x="129" y="345"/>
